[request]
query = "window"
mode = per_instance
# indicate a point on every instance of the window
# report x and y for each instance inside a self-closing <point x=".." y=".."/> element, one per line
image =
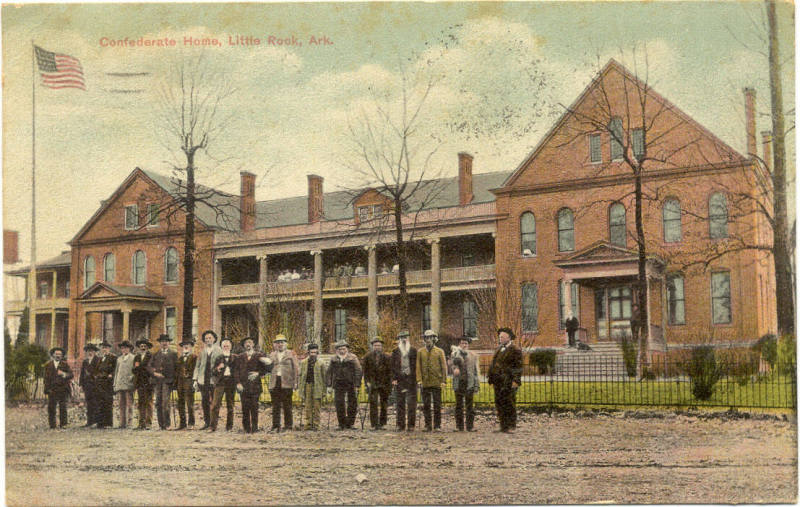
<point x="595" y="148"/>
<point x="363" y="213"/>
<point x="152" y="214"/>
<point x="718" y="216"/>
<point x="676" y="309"/>
<point x="600" y="304"/>
<point x="617" y="234"/>
<point x="562" y="302"/>
<point x="615" y="132"/>
<point x="171" y="265"/>
<point x="44" y="290"/>
<point x="131" y="216"/>
<point x="638" y="143"/>
<point x="619" y="303"/>
<point x="194" y="323"/>
<point x="109" y="267"/>
<point x="672" y="220"/>
<point x="139" y="268"/>
<point x="721" y="298"/>
<point x="170" y="322"/>
<point x="426" y="317"/>
<point x="470" y="318"/>
<point x="66" y="290"/>
<point x="366" y="213"/>
<point x="566" y="231"/>
<point x="527" y="229"/>
<point x="530" y="308"/>
<point x="108" y="327"/>
<point x="88" y="272"/>
<point x="340" y="325"/>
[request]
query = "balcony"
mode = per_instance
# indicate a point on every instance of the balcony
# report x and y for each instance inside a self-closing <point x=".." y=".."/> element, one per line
<point x="39" y="305"/>
<point x="460" y="278"/>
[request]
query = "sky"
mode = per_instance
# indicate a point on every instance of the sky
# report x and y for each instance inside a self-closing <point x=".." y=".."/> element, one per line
<point x="292" y="104"/>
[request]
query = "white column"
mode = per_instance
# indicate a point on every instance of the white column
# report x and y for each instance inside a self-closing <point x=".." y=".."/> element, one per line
<point x="436" y="285"/>
<point x="126" y="324"/>
<point x="317" y="296"/>
<point x="372" y="292"/>
<point x="567" y="304"/>
<point x="262" y="294"/>
<point x="216" y="320"/>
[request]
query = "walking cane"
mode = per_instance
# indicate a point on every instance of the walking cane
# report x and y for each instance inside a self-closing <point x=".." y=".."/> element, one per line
<point x="363" y="414"/>
<point x="172" y="404"/>
<point x="329" y="410"/>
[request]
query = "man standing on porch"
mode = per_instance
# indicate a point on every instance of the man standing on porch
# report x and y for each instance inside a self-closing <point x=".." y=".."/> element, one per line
<point x="505" y="375"/>
<point x="571" y="324"/>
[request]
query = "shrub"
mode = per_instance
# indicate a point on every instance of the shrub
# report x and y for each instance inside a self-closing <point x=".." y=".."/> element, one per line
<point x="786" y="357"/>
<point x="23" y="363"/>
<point x="703" y="371"/>
<point x="629" y="352"/>
<point x="544" y="360"/>
<point x="767" y="347"/>
<point x="738" y="363"/>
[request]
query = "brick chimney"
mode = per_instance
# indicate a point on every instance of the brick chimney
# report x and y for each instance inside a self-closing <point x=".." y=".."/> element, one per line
<point x="750" y="120"/>
<point x="464" y="178"/>
<point x="247" y="202"/>
<point x="315" y="209"/>
<point x="10" y="246"/>
<point x="766" y="144"/>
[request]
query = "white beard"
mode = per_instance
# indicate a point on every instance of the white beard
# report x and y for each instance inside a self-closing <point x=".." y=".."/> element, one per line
<point x="404" y="347"/>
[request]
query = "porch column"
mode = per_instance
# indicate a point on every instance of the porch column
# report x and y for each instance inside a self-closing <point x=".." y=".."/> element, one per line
<point x="646" y="329"/>
<point x="216" y="319"/>
<point x="567" y="303"/>
<point x="52" y="327"/>
<point x="262" y="294"/>
<point x="317" y="296"/>
<point x="372" y="292"/>
<point x="126" y="323"/>
<point x="436" y="285"/>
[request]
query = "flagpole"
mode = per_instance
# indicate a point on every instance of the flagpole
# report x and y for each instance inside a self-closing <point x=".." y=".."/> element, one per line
<point x="32" y="275"/>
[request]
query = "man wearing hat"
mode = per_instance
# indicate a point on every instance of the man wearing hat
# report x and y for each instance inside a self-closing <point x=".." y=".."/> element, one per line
<point x="285" y="372"/>
<point x="466" y="382"/>
<point x="224" y="373"/>
<point x="162" y="377"/>
<point x="344" y="377"/>
<point x="141" y="379"/>
<point x="184" y="384"/>
<point x="87" y="382"/>
<point x="104" y="380"/>
<point x="312" y="386"/>
<point x="404" y="381"/>
<point x="431" y="375"/>
<point x="124" y="383"/>
<point x="250" y="367"/>
<point x="57" y="375"/>
<point x="203" y="377"/>
<point x="505" y="375"/>
<point x="378" y="379"/>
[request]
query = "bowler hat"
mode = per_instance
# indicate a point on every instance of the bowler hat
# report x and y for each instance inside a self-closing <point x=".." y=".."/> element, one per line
<point x="54" y="349"/>
<point x="212" y="333"/>
<point x="143" y="341"/>
<point x="125" y="343"/>
<point x="164" y="338"/>
<point x="429" y="333"/>
<point x="188" y="341"/>
<point x="279" y="338"/>
<point x="251" y="338"/>
<point x="312" y="346"/>
<point x="341" y="343"/>
<point x="90" y="346"/>
<point x="105" y="344"/>
<point x="507" y="330"/>
<point x="377" y="339"/>
<point x="402" y="334"/>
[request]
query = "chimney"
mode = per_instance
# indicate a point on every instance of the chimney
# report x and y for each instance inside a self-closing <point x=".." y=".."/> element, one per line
<point x="766" y="143"/>
<point x="247" y="202"/>
<point x="750" y="120"/>
<point x="315" y="210"/>
<point x="464" y="178"/>
<point x="10" y="246"/>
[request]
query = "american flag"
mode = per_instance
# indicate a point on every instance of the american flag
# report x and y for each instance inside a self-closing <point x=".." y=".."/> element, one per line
<point x="59" y="70"/>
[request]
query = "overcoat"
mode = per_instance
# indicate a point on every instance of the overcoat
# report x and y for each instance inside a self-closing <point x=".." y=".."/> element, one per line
<point x="123" y="373"/>
<point x="289" y="368"/>
<point x="245" y="366"/>
<point x="204" y="358"/>
<point x="163" y="363"/>
<point x="55" y="383"/>
<point x="320" y="372"/>
<point x="506" y="367"/>
<point x="378" y="370"/>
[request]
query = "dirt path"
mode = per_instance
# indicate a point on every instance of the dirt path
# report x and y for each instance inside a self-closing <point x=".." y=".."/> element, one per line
<point x="551" y="459"/>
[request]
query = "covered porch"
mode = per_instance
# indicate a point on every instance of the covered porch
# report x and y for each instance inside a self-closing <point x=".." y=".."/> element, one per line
<point x="115" y="313"/>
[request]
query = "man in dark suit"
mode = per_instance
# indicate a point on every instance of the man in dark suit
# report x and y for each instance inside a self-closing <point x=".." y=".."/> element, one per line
<point x="141" y="380"/>
<point x="250" y="367"/>
<point x="104" y="381"/>
<point x="203" y="379"/>
<point x="57" y="375"/>
<point x="505" y="375"/>
<point x="404" y="381"/>
<point x="87" y="383"/>
<point x="184" y="370"/>
<point x="378" y="379"/>
<point x="162" y="376"/>
<point x="224" y="371"/>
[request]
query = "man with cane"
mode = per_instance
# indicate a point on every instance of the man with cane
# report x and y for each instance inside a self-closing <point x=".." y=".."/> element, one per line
<point x="162" y="373"/>
<point x="249" y="369"/>
<point x="344" y="377"/>
<point x="404" y="381"/>
<point x="378" y="379"/>
<point x="311" y="387"/>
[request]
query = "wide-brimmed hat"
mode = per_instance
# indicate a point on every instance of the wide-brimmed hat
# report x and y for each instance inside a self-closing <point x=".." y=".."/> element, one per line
<point x="105" y="344"/>
<point x="186" y="342"/>
<point x="377" y="339"/>
<point x="430" y="333"/>
<point x="312" y="346"/>
<point x="403" y="334"/>
<point x="54" y="349"/>
<point x="279" y="338"/>
<point x="225" y="339"/>
<point x="90" y="346"/>
<point x="212" y="333"/>
<point x="125" y="343"/>
<point x="341" y="343"/>
<point x="252" y="338"/>
<point x="508" y="331"/>
<point x="144" y="341"/>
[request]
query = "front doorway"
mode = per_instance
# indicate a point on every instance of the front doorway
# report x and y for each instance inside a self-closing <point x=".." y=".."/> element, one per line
<point x="613" y="307"/>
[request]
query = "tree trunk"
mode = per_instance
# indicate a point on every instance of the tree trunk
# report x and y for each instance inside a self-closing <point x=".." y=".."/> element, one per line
<point x="188" y="251"/>
<point x="780" y="252"/>
<point x="641" y="281"/>
<point x="401" y="262"/>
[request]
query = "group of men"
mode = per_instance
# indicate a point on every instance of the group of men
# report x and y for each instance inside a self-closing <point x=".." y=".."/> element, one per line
<point x="217" y="373"/>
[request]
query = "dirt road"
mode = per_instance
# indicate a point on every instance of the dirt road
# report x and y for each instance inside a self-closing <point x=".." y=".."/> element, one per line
<point x="561" y="458"/>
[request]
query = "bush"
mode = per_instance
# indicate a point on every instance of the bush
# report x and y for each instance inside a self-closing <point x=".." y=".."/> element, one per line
<point x="767" y="347"/>
<point x="629" y="352"/>
<point x="23" y="363"/>
<point x="741" y="364"/>
<point x="786" y="357"/>
<point x="703" y="371"/>
<point x="544" y="360"/>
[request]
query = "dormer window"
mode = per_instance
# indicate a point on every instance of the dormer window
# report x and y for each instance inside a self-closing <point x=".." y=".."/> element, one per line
<point x="369" y="212"/>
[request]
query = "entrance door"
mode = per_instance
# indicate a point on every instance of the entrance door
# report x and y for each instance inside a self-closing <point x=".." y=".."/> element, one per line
<point x="613" y="311"/>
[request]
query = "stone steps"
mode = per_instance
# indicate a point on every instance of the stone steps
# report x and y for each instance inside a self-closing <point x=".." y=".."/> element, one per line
<point x="603" y="360"/>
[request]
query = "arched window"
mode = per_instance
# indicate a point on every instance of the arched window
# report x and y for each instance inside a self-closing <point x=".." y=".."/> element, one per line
<point x="527" y="230"/>
<point x="566" y="230"/>
<point x="672" y="220"/>
<point x="717" y="216"/>
<point x="171" y="265"/>
<point x="616" y="225"/>
<point x="109" y="267"/>
<point x="88" y="272"/>
<point x="139" y="268"/>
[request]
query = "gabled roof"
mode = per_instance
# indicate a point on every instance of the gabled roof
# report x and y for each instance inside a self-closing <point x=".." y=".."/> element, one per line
<point x="63" y="260"/>
<point x="603" y="251"/>
<point x="134" y="291"/>
<point x="613" y="65"/>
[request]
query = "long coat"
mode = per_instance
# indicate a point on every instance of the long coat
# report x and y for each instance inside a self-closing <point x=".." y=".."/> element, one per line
<point x="468" y="378"/>
<point x="163" y="363"/>
<point x="403" y="382"/>
<point x="220" y="364"/>
<point x="289" y="368"/>
<point x="320" y="372"/>
<point x="55" y="383"/>
<point x="88" y="368"/>
<point x="244" y="366"/>
<point x="104" y="373"/>
<point x="344" y="374"/>
<point x="506" y="368"/>
<point x="184" y="370"/>
<point x="140" y="373"/>
<point x="378" y="370"/>
<point x="203" y="358"/>
<point x="431" y="367"/>
<point x="123" y="373"/>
